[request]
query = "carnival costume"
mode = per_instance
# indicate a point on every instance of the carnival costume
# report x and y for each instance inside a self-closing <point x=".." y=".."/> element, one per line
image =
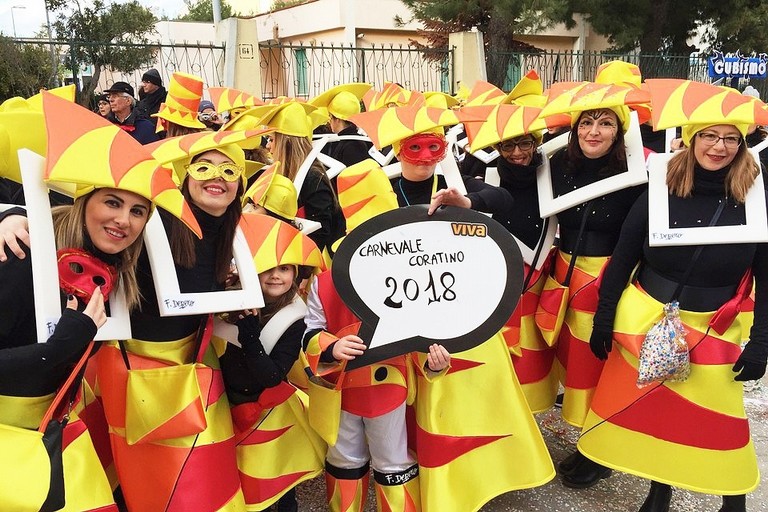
<point x="185" y="446"/>
<point x="694" y="433"/>
<point x="592" y="226"/>
<point x="276" y="447"/>
<point x="33" y="371"/>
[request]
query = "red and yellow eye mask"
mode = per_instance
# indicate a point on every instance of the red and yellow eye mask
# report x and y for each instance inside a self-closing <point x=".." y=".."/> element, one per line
<point x="423" y="149"/>
<point x="203" y="171"/>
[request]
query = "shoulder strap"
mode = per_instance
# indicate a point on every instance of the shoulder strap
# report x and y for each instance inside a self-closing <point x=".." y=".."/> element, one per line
<point x="575" y="254"/>
<point x="696" y="254"/>
<point x="74" y="374"/>
<point x="280" y="321"/>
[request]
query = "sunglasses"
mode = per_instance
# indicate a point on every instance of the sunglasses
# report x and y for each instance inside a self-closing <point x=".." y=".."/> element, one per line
<point x="202" y="171"/>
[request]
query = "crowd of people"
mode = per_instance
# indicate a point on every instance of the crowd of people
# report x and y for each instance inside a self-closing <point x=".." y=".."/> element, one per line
<point x="206" y="408"/>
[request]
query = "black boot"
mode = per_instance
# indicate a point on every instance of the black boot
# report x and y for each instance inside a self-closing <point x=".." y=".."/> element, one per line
<point x="586" y="474"/>
<point x="658" y="498"/>
<point x="736" y="503"/>
<point x="569" y="463"/>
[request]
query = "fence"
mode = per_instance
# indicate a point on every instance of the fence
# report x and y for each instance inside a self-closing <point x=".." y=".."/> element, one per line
<point x="305" y="71"/>
<point x="54" y="63"/>
<point x="576" y="66"/>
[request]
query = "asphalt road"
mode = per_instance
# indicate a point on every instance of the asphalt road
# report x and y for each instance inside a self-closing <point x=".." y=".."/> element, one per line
<point x="619" y="493"/>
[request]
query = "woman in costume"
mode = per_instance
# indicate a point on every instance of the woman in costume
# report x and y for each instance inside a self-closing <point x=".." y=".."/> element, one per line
<point x="694" y="433"/>
<point x="291" y="145"/>
<point x="516" y="143"/>
<point x="255" y="372"/>
<point x="588" y="233"/>
<point x="99" y="240"/>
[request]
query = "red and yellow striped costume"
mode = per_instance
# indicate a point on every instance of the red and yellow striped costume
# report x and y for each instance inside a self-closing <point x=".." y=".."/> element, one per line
<point x="664" y="422"/>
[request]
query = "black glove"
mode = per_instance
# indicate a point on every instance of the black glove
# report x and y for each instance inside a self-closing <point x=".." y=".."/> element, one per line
<point x="600" y="343"/>
<point x="751" y="362"/>
<point x="248" y="333"/>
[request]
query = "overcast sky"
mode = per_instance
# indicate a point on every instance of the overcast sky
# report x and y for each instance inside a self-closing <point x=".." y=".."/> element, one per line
<point x="29" y="15"/>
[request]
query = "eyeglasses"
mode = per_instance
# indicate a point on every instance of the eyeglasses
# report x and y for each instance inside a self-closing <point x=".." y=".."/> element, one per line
<point x="510" y="145"/>
<point x="202" y="171"/>
<point x="729" y="141"/>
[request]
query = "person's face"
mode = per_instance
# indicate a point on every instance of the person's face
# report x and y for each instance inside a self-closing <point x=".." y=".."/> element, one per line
<point x="213" y="196"/>
<point x="119" y="102"/>
<point x="149" y="87"/>
<point x="114" y="218"/>
<point x="713" y="155"/>
<point x="597" y="132"/>
<point x="420" y="154"/>
<point x="104" y="108"/>
<point x="519" y="150"/>
<point x="269" y="143"/>
<point x="276" y="282"/>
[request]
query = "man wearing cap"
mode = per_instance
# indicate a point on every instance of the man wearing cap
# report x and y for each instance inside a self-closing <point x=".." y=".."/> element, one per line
<point x="122" y="103"/>
<point x="151" y="94"/>
<point x="208" y="116"/>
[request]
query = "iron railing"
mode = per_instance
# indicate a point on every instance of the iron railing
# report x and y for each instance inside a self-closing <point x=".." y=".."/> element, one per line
<point x="305" y="71"/>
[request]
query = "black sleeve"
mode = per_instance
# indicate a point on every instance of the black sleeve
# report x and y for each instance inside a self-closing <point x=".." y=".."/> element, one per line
<point x="627" y="253"/>
<point x="473" y="166"/>
<point x="759" y="331"/>
<point x="487" y="198"/>
<point x="270" y="370"/>
<point x="327" y="355"/>
<point x="39" y="368"/>
<point x="319" y="204"/>
<point x="16" y="210"/>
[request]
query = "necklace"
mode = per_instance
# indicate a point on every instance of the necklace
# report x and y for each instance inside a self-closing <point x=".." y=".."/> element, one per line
<point x="402" y="192"/>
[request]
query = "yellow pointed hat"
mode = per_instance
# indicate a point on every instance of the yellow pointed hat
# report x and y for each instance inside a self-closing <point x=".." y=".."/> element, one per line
<point x="273" y="242"/>
<point x="178" y="152"/>
<point x="529" y="91"/>
<point x="484" y="93"/>
<point x="343" y="100"/>
<point x="502" y="122"/>
<point x="392" y="95"/>
<point x="439" y="99"/>
<point x="184" y="94"/>
<point x="390" y="125"/>
<point x="619" y="72"/>
<point x="274" y="192"/>
<point x="289" y="118"/>
<point x="695" y="106"/>
<point x="235" y="102"/>
<point x="99" y="154"/>
<point x="364" y="192"/>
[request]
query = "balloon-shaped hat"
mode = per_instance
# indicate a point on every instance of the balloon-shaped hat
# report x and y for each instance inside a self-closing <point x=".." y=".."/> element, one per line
<point x="184" y="94"/>
<point x="99" y="154"/>
<point x="22" y="125"/>
<point x="342" y="101"/>
<point x="273" y="242"/>
<point x="274" y="192"/>
<point x="290" y="118"/>
<point x="695" y="106"/>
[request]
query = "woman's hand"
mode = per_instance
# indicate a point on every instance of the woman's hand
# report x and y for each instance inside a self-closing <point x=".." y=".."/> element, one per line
<point x="438" y="358"/>
<point x="448" y="197"/>
<point x="348" y="348"/>
<point x="94" y="309"/>
<point x="13" y="229"/>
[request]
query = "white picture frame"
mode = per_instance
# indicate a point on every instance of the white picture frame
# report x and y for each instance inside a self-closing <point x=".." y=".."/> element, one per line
<point x="172" y="302"/>
<point x="636" y="174"/>
<point x="660" y="234"/>
<point x="45" y="273"/>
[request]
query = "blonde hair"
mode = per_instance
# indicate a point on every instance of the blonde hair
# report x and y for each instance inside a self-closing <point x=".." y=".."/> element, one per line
<point x="69" y="226"/>
<point x="291" y="151"/>
<point x="740" y="177"/>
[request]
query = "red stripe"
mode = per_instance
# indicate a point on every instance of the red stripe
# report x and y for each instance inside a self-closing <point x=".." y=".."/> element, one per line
<point x="533" y="365"/>
<point x="660" y="412"/>
<point x="436" y="450"/>
<point x="258" y="490"/>
<point x="711" y="350"/>
<point x="582" y="367"/>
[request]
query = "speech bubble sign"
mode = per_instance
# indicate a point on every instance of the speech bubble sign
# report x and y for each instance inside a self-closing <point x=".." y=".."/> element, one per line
<point x="452" y="278"/>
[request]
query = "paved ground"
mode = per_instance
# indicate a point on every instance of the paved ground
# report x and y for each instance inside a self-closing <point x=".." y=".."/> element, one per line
<point x="620" y="493"/>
